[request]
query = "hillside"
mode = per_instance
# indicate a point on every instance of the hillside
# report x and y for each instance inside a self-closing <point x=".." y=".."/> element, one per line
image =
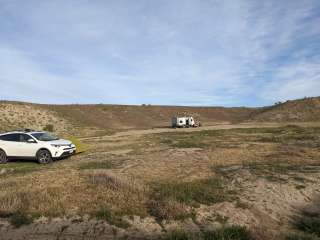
<point x="301" y="110"/>
<point x="15" y="115"/>
<point x="92" y="119"/>
<point x="125" y="116"/>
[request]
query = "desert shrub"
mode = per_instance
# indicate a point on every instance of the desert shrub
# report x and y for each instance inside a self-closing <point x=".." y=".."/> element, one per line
<point x="125" y="195"/>
<point x="228" y="233"/>
<point x="175" y="200"/>
<point x="309" y="223"/>
<point x="206" y="191"/>
<point x="169" y="209"/>
<point x="107" y="215"/>
<point x="302" y="236"/>
<point x="49" y="128"/>
<point x="19" y="219"/>
<point x="180" y="235"/>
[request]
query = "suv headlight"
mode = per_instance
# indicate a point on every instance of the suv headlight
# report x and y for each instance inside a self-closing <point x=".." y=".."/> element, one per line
<point x="55" y="145"/>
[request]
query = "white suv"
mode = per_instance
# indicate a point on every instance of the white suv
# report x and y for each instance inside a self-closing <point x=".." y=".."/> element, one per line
<point x="42" y="146"/>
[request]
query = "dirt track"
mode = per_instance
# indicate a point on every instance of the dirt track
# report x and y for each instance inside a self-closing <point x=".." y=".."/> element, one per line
<point x="128" y="133"/>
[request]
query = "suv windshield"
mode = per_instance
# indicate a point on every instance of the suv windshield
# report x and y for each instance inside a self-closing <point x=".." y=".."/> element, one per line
<point x="45" y="136"/>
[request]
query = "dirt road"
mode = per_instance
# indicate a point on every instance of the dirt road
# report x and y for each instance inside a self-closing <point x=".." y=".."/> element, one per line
<point x="128" y="133"/>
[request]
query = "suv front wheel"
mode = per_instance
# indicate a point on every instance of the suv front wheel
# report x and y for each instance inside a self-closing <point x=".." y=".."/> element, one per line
<point x="44" y="157"/>
<point x="3" y="157"/>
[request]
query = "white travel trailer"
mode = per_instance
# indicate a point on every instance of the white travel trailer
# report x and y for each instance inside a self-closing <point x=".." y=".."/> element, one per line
<point x="182" y="122"/>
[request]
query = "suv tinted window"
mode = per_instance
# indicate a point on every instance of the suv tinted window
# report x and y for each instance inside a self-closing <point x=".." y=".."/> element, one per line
<point x="24" y="137"/>
<point x="13" y="137"/>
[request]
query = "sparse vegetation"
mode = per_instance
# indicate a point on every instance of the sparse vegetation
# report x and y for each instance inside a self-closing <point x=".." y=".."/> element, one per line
<point x="274" y="171"/>
<point x="179" y="235"/>
<point x="49" y="128"/>
<point x="189" y="140"/>
<point x="176" y="178"/>
<point x="19" y="219"/>
<point x="302" y="236"/>
<point x="125" y="196"/>
<point x="169" y="210"/>
<point x="97" y="165"/>
<point x="107" y="215"/>
<point x="206" y="191"/>
<point x="309" y="223"/>
<point x="174" y="200"/>
<point x="227" y="233"/>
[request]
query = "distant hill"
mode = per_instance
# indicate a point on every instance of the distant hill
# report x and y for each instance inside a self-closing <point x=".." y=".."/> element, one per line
<point x="77" y="119"/>
<point x="90" y="119"/>
<point x="146" y="116"/>
<point x="301" y="110"/>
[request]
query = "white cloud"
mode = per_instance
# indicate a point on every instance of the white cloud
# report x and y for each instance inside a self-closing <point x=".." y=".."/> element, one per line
<point x="160" y="52"/>
<point x="294" y="81"/>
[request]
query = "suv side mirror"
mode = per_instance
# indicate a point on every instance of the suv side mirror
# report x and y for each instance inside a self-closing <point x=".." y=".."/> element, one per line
<point x="30" y="140"/>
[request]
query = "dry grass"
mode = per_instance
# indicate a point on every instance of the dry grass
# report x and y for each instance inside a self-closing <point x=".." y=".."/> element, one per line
<point x="176" y="200"/>
<point x="19" y="168"/>
<point x="73" y="195"/>
<point x="97" y="165"/>
<point x="121" y="195"/>
<point x="166" y="175"/>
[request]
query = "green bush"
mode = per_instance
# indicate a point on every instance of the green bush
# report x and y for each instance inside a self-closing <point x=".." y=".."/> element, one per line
<point x="309" y="224"/>
<point x="180" y="235"/>
<point x="48" y="128"/>
<point x="227" y="233"/>
<point x="175" y="200"/>
<point x="302" y="236"/>
<point x="107" y="215"/>
<point x="19" y="219"/>
<point x="206" y="191"/>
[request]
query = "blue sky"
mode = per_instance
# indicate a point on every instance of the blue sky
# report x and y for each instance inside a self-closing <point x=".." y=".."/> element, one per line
<point x="191" y="52"/>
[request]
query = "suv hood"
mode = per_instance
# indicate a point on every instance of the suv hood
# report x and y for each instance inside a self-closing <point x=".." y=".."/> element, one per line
<point x="60" y="142"/>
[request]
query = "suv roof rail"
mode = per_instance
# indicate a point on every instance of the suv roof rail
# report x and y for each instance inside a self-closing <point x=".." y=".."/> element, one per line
<point x="29" y="130"/>
<point x="17" y="130"/>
